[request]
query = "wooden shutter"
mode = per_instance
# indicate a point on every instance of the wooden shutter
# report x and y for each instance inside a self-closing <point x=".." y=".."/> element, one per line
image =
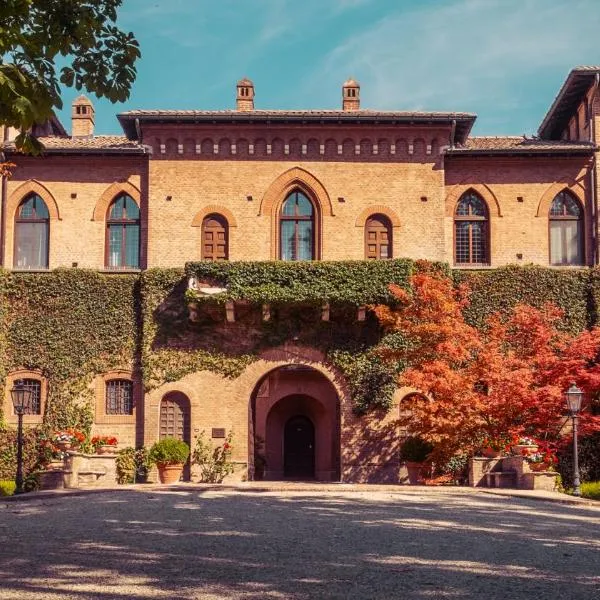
<point x="378" y="238"/>
<point x="215" y="238"/>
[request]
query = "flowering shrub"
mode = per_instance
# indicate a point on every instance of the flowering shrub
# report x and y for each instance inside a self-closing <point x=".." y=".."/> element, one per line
<point x="70" y="436"/>
<point x="500" y="443"/>
<point x="214" y="461"/>
<point x="526" y="441"/>
<point x="103" y="440"/>
<point x="544" y="454"/>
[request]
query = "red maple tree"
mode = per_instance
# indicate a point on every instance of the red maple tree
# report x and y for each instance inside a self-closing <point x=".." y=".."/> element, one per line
<point x="507" y="379"/>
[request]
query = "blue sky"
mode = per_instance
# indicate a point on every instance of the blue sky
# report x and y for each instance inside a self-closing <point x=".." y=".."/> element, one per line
<point x="502" y="59"/>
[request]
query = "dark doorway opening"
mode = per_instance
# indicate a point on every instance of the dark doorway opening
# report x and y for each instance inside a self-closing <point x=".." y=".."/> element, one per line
<point x="299" y="448"/>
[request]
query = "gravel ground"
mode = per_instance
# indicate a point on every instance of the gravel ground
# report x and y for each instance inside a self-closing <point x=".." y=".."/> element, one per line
<point x="298" y="545"/>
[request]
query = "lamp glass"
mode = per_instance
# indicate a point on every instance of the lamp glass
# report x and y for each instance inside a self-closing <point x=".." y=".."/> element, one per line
<point x="20" y="395"/>
<point x="573" y="397"/>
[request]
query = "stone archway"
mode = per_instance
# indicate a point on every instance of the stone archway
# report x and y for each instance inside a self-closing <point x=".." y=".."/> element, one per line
<point x="288" y="393"/>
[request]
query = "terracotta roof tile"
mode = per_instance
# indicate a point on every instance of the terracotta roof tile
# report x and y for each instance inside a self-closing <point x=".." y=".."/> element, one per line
<point x="98" y="143"/>
<point x="517" y="144"/>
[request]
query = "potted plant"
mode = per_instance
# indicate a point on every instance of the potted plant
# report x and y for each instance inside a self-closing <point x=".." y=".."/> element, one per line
<point x="542" y="459"/>
<point x="523" y="445"/>
<point x="169" y="456"/>
<point x="414" y="452"/>
<point x="493" y="447"/>
<point x="104" y="444"/>
<point x="67" y="439"/>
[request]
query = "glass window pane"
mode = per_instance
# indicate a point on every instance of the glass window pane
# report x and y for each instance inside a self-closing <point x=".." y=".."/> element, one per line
<point x="305" y="208"/>
<point x="31" y="245"/>
<point x="470" y="204"/>
<point x="117" y="209"/>
<point x="131" y="208"/>
<point x="572" y="245"/>
<point x="288" y="245"/>
<point x="41" y="210"/>
<point x="556" y="249"/>
<point x="115" y="238"/>
<point x="305" y="240"/>
<point x="289" y="206"/>
<point x="462" y="242"/>
<point x="132" y="246"/>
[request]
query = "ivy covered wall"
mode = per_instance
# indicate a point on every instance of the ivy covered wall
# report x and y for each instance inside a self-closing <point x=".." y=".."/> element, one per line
<point x="73" y="324"/>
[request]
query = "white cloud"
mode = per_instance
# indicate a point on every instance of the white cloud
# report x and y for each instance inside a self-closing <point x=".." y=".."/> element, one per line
<point x="465" y="55"/>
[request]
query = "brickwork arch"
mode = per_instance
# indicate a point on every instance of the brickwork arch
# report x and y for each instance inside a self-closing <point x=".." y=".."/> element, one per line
<point x="570" y="185"/>
<point x="111" y="192"/>
<point x="32" y="187"/>
<point x="380" y="210"/>
<point x="212" y="209"/>
<point x="295" y="177"/>
<point x="483" y="190"/>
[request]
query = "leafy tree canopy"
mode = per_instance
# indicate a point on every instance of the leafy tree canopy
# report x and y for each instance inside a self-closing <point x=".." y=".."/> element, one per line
<point x="82" y="34"/>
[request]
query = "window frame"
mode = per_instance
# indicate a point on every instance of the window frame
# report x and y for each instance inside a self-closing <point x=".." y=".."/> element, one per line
<point x="313" y="218"/>
<point x="568" y="218"/>
<point x="385" y="220"/>
<point x="118" y="382"/>
<point x="123" y="223"/>
<point x="18" y="220"/>
<point x="101" y="388"/>
<point x="470" y="218"/>
<point x="9" y="409"/>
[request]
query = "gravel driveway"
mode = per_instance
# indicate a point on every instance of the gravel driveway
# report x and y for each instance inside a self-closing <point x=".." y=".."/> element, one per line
<point x="298" y="545"/>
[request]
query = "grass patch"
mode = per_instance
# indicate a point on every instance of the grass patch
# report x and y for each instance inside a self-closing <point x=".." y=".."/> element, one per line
<point x="7" y="488"/>
<point x="591" y="490"/>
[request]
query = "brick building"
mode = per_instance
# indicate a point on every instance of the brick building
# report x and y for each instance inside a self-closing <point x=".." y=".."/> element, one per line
<point x="330" y="185"/>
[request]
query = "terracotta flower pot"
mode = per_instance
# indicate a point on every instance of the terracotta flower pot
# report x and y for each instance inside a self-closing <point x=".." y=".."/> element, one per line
<point x="489" y="452"/>
<point x="521" y="449"/>
<point x="416" y="472"/>
<point x="64" y="446"/>
<point x="169" y="473"/>
<point x="539" y="466"/>
<point x="106" y="449"/>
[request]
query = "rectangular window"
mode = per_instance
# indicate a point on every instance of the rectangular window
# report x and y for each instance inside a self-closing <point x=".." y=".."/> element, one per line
<point x="119" y="397"/>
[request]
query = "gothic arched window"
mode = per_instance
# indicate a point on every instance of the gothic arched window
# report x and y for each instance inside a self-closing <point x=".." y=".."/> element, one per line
<point x="471" y="230"/>
<point x="566" y="230"/>
<point x="297" y="228"/>
<point x="32" y="233"/>
<point x="123" y="234"/>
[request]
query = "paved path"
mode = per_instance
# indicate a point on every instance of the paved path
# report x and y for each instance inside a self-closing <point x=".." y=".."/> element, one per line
<point x="189" y="543"/>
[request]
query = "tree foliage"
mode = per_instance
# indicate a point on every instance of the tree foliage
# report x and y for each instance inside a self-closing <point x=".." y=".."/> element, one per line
<point x="503" y="379"/>
<point x="36" y="36"/>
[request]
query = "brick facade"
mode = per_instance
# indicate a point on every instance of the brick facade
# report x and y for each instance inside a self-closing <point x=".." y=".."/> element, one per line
<point x="179" y="167"/>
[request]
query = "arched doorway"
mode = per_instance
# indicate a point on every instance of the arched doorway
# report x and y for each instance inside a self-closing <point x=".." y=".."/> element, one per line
<point x="294" y="426"/>
<point x="299" y="448"/>
<point x="174" y="421"/>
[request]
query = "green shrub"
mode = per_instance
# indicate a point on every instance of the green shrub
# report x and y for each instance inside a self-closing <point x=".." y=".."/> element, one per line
<point x="415" y="449"/>
<point x="132" y="465"/>
<point x="169" y="451"/>
<point x="214" y="461"/>
<point x="36" y="451"/>
<point x="591" y="490"/>
<point x="7" y="488"/>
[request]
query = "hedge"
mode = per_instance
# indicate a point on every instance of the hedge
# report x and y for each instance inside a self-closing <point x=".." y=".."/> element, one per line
<point x="72" y="324"/>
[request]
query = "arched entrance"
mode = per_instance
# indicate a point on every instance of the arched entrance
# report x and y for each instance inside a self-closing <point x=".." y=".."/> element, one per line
<point x="294" y="429"/>
<point x="174" y="421"/>
<point x="299" y="448"/>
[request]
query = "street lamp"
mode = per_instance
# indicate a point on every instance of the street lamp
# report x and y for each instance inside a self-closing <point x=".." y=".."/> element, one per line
<point x="573" y="398"/>
<point x="21" y="395"/>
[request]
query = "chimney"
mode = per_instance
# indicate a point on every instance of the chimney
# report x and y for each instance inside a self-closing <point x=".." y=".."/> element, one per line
<point x="82" y="117"/>
<point x="245" y="95"/>
<point x="351" y="95"/>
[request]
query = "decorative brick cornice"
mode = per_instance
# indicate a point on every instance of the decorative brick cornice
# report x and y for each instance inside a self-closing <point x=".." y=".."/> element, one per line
<point x="111" y="192"/>
<point x="571" y="185"/>
<point x="377" y="209"/>
<point x="481" y="189"/>
<point x="32" y="187"/>
<point x="212" y="209"/>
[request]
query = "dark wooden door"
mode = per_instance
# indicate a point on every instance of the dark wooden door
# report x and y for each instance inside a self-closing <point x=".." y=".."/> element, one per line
<point x="378" y="242"/>
<point x="175" y="420"/>
<point x="299" y="448"/>
<point x="214" y="238"/>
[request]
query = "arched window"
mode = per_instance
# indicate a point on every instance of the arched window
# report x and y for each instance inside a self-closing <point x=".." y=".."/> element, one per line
<point x="378" y="237"/>
<point x="471" y="231"/>
<point x="119" y="397"/>
<point x="297" y="228"/>
<point x="566" y="230"/>
<point x="32" y="228"/>
<point x="215" y="238"/>
<point x="123" y="234"/>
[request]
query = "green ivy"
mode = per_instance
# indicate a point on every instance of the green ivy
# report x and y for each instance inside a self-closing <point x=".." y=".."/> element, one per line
<point x="70" y="324"/>
<point x="344" y="282"/>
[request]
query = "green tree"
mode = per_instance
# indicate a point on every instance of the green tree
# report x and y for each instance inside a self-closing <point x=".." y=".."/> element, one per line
<point x="82" y="36"/>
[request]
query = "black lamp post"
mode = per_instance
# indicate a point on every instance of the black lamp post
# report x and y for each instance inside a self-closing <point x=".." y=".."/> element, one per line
<point x="20" y="395"/>
<point x="573" y="398"/>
